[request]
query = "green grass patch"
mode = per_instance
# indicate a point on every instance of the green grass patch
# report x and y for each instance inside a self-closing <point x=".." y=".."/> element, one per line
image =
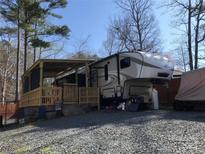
<point x="22" y="150"/>
<point x="47" y="150"/>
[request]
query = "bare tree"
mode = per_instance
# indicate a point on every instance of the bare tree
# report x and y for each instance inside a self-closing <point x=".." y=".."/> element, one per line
<point x="51" y="52"/>
<point x="189" y="33"/>
<point x="199" y="14"/>
<point x="7" y="71"/>
<point x="181" y="56"/>
<point x="110" y="45"/>
<point x="82" y="44"/>
<point x="190" y="16"/>
<point x="81" y="49"/>
<point x="123" y="33"/>
<point x="136" y="28"/>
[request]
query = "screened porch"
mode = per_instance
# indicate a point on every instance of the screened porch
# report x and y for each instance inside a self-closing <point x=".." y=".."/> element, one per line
<point x="39" y="86"/>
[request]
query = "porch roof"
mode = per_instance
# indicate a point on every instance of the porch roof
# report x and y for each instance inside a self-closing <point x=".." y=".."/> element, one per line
<point x="53" y="67"/>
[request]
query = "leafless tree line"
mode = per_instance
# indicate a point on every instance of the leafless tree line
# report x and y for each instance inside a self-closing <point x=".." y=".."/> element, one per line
<point x="8" y="67"/>
<point x="7" y="71"/>
<point x="135" y="29"/>
<point x="190" y="19"/>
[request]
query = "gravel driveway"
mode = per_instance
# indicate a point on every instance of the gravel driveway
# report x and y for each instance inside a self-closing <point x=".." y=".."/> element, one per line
<point x="110" y="132"/>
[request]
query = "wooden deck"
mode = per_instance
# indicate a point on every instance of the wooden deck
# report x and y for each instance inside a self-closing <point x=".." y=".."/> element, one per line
<point x="69" y="94"/>
<point x="41" y="96"/>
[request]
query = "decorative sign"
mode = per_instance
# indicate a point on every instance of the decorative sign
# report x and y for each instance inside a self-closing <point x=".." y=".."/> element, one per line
<point x="58" y="106"/>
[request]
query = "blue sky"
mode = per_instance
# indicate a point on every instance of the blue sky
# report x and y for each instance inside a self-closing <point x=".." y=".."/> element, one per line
<point x="91" y="17"/>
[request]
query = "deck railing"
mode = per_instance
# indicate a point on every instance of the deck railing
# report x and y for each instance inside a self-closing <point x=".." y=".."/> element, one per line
<point x="72" y="94"/>
<point x="51" y="95"/>
<point x="41" y="96"/>
<point x="88" y="95"/>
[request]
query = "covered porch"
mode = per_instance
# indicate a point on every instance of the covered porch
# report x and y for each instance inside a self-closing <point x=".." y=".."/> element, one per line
<point x="39" y="86"/>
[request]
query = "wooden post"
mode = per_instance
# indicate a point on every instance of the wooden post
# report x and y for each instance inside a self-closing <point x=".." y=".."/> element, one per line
<point x="29" y="78"/>
<point x="41" y="74"/>
<point x="87" y="73"/>
<point x="79" y="94"/>
<point x="76" y="76"/>
<point x="86" y="89"/>
<point x="41" y="83"/>
<point x="23" y="82"/>
<point x="98" y="95"/>
<point x="76" y="82"/>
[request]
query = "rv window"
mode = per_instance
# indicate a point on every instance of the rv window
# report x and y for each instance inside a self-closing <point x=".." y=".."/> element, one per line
<point x="106" y="71"/>
<point x="124" y="63"/>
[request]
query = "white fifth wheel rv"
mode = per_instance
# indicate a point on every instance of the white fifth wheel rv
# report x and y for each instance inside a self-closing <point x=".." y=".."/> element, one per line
<point x="128" y="74"/>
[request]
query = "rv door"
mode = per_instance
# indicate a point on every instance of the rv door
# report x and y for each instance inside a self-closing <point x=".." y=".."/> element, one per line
<point x="94" y="78"/>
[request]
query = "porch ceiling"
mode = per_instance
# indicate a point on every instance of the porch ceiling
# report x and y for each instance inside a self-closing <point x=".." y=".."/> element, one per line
<point x="53" y="67"/>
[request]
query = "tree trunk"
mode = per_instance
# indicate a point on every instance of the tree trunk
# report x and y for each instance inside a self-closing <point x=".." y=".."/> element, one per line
<point x="4" y="87"/>
<point x="197" y="35"/>
<point x="196" y="44"/>
<point x="25" y="40"/>
<point x="139" y="33"/>
<point x="34" y="54"/>
<point x="35" y="36"/>
<point x="40" y="52"/>
<point x="183" y="59"/>
<point x="189" y="37"/>
<point x="5" y="77"/>
<point x="25" y="49"/>
<point x="17" y="58"/>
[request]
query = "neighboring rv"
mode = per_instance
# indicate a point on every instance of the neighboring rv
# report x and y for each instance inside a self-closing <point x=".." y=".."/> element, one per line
<point x="191" y="91"/>
<point x="129" y="74"/>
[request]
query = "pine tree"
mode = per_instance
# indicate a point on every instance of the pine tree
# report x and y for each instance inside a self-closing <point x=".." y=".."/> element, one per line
<point x="30" y="16"/>
<point x="42" y="28"/>
<point x="10" y="12"/>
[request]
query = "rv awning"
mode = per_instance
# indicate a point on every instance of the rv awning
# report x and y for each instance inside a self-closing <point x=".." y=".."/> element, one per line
<point x="192" y="86"/>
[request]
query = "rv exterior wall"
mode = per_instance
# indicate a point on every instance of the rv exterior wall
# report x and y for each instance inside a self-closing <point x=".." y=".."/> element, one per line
<point x="133" y="69"/>
<point x="106" y="76"/>
<point x="144" y="67"/>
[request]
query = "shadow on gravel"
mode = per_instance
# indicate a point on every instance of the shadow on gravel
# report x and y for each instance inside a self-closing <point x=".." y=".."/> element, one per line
<point x="184" y="115"/>
<point x="10" y="127"/>
<point x="97" y="119"/>
<point x="93" y="119"/>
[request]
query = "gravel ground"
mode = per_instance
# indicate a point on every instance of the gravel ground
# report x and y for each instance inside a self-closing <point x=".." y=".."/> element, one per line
<point x="110" y="132"/>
